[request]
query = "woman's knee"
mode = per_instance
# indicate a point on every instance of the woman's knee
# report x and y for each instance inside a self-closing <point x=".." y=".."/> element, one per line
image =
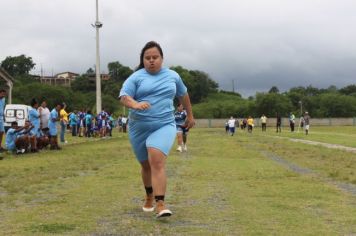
<point x="156" y="158"/>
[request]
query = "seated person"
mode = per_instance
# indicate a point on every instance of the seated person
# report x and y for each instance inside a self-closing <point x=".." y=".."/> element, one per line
<point x="42" y="141"/>
<point x="32" y="136"/>
<point x="17" y="138"/>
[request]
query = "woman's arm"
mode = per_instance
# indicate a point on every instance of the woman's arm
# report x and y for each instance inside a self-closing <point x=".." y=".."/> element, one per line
<point x="185" y="100"/>
<point x="129" y="102"/>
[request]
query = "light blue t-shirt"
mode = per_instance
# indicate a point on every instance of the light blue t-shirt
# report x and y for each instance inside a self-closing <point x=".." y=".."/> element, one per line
<point x="158" y="90"/>
<point x="2" y="106"/>
<point x="34" y="118"/>
<point x="88" y="118"/>
<point x="11" y="136"/>
<point x="52" y="122"/>
<point x="73" y="119"/>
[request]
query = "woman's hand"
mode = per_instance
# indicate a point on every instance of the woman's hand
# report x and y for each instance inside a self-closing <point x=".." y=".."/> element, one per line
<point x="189" y="122"/>
<point x="141" y="106"/>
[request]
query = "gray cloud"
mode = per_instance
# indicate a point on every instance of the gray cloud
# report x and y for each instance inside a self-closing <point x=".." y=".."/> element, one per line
<point x="257" y="43"/>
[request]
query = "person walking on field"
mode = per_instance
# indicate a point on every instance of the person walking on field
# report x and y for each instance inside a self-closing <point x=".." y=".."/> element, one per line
<point x="291" y="121"/>
<point x="279" y="123"/>
<point x="149" y="93"/>
<point x="264" y="122"/>
<point x="232" y="124"/>
<point x="124" y="123"/>
<point x="250" y="124"/>
<point x="180" y="116"/>
<point x="306" y="122"/>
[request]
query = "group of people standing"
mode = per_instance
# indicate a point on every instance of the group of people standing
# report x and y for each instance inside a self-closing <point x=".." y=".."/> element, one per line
<point x="249" y="123"/>
<point x="232" y="123"/>
<point x="85" y="124"/>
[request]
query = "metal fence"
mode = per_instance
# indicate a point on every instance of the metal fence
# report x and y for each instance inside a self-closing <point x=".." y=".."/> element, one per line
<point x="271" y="122"/>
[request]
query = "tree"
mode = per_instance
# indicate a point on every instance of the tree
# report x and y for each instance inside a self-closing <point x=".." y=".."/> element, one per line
<point x="349" y="90"/>
<point x="19" y="65"/>
<point x="118" y="72"/>
<point x="199" y="84"/>
<point x="271" y="103"/>
<point x="90" y="71"/>
<point x="274" y="89"/>
<point x="83" y="84"/>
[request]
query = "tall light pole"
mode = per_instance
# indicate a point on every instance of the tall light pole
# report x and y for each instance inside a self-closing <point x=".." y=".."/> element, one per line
<point x="97" y="26"/>
<point x="301" y="108"/>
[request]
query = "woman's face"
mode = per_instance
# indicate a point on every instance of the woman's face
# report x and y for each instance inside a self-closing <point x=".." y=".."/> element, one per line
<point x="152" y="60"/>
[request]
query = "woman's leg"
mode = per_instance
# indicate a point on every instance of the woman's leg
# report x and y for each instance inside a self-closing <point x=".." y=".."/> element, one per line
<point x="180" y="141"/>
<point x="147" y="183"/>
<point x="62" y="131"/>
<point x="157" y="161"/>
<point x="158" y="174"/>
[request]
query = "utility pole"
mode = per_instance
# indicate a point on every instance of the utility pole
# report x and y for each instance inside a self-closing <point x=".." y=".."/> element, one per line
<point x="97" y="26"/>
<point x="301" y="108"/>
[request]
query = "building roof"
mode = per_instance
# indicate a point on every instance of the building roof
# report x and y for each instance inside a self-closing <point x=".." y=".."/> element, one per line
<point x="71" y="73"/>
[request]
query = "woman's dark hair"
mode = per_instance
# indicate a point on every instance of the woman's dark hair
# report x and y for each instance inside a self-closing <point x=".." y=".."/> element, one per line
<point x="33" y="102"/>
<point x="148" y="45"/>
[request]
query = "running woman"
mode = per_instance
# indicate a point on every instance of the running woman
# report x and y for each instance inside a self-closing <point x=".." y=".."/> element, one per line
<point x="149" y="93"/>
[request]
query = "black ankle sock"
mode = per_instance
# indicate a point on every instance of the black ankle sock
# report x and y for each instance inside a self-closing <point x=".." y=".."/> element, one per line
<point x="149" y="190"/>
<point x="158" y="198"/>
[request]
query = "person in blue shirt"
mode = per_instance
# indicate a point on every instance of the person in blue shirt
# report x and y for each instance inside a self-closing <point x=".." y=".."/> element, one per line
<point x="149" y="93"/>
<point x="110" y="124"/>
<point x="2" y="108"/>
<point x="73" y="119"/>
<point x="81" y="123"/>
<point x="102" y="125"/>
<point x="17" y="138"/>
<point x="34" y="119"/>
<point x="88" y="123"/>
<point x="52" y="125"/>
<point x="180" y="116"/>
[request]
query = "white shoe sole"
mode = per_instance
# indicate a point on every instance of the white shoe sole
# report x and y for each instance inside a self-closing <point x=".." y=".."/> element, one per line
<point x="148" y="209"/>
<point x="164" y="213"/>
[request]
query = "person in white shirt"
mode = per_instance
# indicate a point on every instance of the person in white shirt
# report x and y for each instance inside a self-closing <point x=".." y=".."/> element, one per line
<point x="231" y="123"/>
<point x="264" y="122"/>
<point x="44" y="115"/>
<point x="124" y="123"/>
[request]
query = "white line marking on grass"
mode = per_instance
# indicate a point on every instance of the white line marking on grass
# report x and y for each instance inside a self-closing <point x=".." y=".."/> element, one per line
<point x="328" y="145"/>
<point x="347" y="187"/>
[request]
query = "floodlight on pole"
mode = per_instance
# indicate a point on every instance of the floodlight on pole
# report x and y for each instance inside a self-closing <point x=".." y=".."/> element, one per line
<point x="97" y="26"/>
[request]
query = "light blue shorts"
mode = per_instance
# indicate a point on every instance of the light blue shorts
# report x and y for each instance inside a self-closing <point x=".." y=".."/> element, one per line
<point x="151" y="134"/>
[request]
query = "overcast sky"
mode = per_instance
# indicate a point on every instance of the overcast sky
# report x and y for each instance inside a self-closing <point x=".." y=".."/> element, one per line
<point x="255" y="43"/>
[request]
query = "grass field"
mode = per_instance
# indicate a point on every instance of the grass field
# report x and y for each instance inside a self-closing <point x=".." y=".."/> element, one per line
<point x="248" y="184"/>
